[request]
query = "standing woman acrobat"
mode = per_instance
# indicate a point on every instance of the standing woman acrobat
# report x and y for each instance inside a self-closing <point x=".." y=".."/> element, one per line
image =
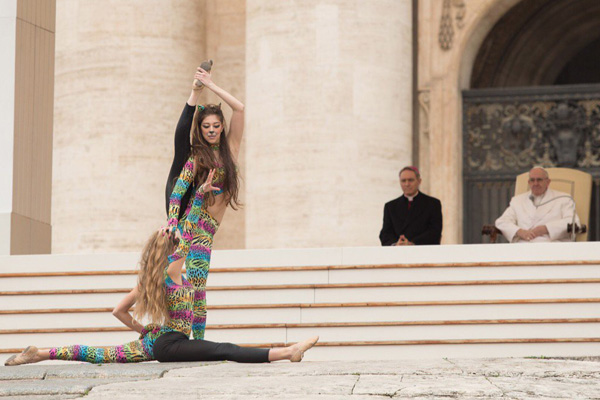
<point x="174" y="305"/>
<point x="166" y="299"/>
<point x="208" y="178"/>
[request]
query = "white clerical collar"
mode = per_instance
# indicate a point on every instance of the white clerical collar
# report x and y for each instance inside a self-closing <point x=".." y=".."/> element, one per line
<point x="537" y="200"/>
<point x="411" y="198"/>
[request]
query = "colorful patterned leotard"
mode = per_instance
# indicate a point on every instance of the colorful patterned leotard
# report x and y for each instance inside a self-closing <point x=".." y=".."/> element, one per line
<point x="197" y="230"/>
<point x="180" y="300"/>
<point x="180" y="305"/>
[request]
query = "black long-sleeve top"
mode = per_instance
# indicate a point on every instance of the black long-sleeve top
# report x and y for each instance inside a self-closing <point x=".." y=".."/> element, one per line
<point x="182" y="153"/>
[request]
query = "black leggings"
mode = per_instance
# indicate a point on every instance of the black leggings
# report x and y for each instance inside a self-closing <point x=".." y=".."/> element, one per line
<point x="175" y="346"/>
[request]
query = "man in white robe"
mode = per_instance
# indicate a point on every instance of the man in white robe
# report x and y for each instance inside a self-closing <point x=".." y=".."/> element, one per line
<point x="539" y="215"/>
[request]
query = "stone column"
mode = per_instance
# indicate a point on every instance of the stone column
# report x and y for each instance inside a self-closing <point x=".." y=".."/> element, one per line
<point x="226" y="45"/>
<point x="329" y="108"/>
<point x="450" y="34"/>
<point x="123" y="74"/>
<point x="26" y="105"/>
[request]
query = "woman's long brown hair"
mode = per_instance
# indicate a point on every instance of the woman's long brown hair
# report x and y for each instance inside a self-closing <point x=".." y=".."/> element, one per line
<point x="205" y="160"/>
<point x="151" y="297"/>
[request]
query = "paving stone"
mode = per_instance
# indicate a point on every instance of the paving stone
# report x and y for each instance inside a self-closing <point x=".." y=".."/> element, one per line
<point x="527" y="367"/>
<point x="284" y="396"/>
<point x="448" y="386"/>
<point x="51" y="387"/>
<point x="142" y="370"/>
<point x="425" y="367"/>
<point x="264" y="386"/>
<point x="384" y="385"/>
<point x="22" y="372"/>
<point x="44" y="397"/>
<point x="565" y="388"/>
<point x="510" y="378"/>
<point x="86" y="370"/>
<point x="587" y="358"/>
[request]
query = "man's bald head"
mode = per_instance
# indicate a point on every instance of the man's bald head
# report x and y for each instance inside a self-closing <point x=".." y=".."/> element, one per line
<point x="542" y="169"/>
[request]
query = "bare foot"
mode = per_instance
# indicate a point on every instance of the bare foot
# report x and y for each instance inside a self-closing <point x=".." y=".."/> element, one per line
<point x="299" y="348"/>
<point x="27" y="356"/>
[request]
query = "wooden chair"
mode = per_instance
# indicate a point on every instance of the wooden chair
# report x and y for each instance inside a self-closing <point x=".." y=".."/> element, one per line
<point x="574" y="182"/>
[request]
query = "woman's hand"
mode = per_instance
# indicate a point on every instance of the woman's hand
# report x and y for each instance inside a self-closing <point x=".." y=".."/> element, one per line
<point x="207" y="185"/>
<point x="204" y="77"/>
<point x="197" y="87"/>
<point x="170" y="231"/>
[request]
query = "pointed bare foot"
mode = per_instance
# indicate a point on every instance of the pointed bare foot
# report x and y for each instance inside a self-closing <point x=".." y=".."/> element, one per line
<point x="27" y="356"/>
<point x="301" y="347"/>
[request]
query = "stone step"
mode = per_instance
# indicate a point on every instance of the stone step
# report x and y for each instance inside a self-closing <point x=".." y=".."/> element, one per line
<point x="486" y="256"/>
<point x="457" y="349"/>
<point x="326" y="293"/>
<point x="333" y="312"/>
<point x="398" y="350"/>
<point x="361" y="301"/>
<point x="301" y="275"/>
<point x="280" y="333"/>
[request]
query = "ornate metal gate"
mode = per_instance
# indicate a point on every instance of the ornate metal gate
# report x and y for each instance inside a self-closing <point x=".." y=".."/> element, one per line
<point x="507" y="131"/>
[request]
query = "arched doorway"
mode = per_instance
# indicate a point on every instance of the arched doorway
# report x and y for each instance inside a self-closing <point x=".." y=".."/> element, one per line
<point x="534" y="98"/>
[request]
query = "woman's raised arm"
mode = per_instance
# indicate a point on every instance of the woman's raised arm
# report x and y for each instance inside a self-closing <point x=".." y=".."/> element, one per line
<point x="236" y="125"/>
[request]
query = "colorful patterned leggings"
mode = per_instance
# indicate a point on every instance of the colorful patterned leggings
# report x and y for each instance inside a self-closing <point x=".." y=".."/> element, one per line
<point x="197" y="262"/>
<point x="132" y="352"/>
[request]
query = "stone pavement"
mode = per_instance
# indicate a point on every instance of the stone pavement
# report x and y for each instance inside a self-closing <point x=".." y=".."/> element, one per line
<point x="507" y="378"/>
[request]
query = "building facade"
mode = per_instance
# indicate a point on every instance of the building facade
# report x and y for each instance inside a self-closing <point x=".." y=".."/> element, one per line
<point x="339" y="96"/>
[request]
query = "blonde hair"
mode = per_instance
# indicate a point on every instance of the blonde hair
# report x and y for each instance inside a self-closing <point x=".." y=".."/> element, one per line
<point x="151" y="296"/>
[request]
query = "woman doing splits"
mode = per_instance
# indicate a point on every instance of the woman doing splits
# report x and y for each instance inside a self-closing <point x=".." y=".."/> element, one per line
<point x="208" y="180"/>
<point x="167" y="299"/>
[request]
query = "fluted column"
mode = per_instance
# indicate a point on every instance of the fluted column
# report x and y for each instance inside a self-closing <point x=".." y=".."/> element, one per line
<point x="226" y="45"/>
<point x="26" y="105"/>
<point x="123" y="74"/>
<point x="329" y="106"/>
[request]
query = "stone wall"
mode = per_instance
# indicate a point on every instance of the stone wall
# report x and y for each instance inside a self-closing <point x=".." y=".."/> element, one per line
<point x="123" y="74"/>
<point x="226" y="44"/>
<point x="27" y="35"/>
<point x="328" y="119"/>
<point x="327" y="87"/>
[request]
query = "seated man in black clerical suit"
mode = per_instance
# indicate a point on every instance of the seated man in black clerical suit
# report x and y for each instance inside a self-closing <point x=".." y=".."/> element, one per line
<point x="414" y="217"/>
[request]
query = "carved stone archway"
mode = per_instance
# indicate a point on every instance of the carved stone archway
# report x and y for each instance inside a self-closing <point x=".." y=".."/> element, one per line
<point x="534" y="41"/>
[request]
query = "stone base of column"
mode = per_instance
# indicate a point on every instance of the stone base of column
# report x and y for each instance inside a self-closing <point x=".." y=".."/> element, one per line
<point x="23" y="235"/>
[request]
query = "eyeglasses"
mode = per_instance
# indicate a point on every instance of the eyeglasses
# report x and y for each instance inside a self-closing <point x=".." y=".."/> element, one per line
<point x="537" y="180"/>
